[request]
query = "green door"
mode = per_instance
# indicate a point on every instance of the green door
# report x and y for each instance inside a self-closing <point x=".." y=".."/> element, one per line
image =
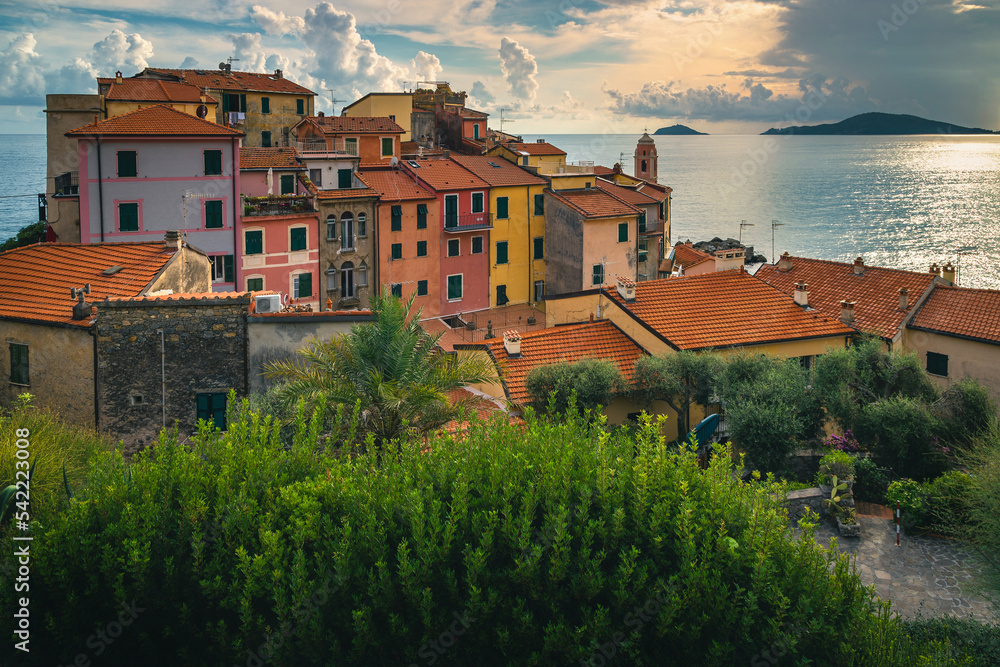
<point x="343" y="178"/>
<point x="451" y="211"/>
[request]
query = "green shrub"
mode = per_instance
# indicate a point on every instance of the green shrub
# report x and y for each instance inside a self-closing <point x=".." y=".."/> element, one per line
<point x="914" y="503"/>
<point x="899" y="433"/>
<point x="971" y="642"/>
<point x="836" y="463"/>
<point x="870" y="482"/>
<point x="964" y="411"/>
<point x="982" y="530"/>
<point x="949" y="496"/>
<point x="594" y="381"/>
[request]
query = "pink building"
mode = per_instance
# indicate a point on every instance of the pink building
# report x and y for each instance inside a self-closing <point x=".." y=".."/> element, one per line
<point x="157" y="169"/>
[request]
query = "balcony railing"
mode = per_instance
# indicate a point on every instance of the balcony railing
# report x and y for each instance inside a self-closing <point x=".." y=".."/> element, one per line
<point x="67" y="184"/>
<point x="652" y="228"/>
<point x="276" y="205"/>
<point x="581" y="167"/>
<point x="328" y="147"/>
<point x="467" y="223"/>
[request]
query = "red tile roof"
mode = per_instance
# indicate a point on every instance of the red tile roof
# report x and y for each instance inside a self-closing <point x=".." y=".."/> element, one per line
<point x="466" y="112"/>
<point x="687" y="256"/>
<point x="535" y="148"/>
<point x="152" y="90"/>
<point x="235" y="80"/>
<point x="628" y="195"/>
<point x="875" y="293"/>
<point x="603" y="171"/>
<point x="597" y="340"/>
<point x="394" y="185"/>
<point x="35" y="280"/>
<point x="485" y="408"/>
<point x="183" y="296"/>
<point x="356" y="124"/>
<point x="961" y="311"/>
<point x="270" y="158"/>
<point x="498" y="172"/>
<point x="594" y="203"/>
<point x="723" y="309"/>
<point x="347" y="193"/>
<point x="154" y="121"/>
<point x="446" y="174"/>
<point x="655" y="191"/>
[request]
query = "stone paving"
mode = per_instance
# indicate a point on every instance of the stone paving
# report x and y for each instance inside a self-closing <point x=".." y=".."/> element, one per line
<point x="924" y="576"/>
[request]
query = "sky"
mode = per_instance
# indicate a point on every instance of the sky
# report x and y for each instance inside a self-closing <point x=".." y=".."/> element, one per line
<point x="553" y="66"/>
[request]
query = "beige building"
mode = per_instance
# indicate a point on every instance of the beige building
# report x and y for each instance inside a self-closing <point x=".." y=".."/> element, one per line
<point x="62" y="183"/>
<point x="396" y="106"/>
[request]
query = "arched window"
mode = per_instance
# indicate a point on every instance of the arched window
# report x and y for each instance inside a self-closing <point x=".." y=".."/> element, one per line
<point x="643" y="166"/>
<point x="347" y="280"/>
<point x="331" y="278"/>
<point x="331" y="228"/>
<point x="362" y="225"/>
<point x="347" y="231"/>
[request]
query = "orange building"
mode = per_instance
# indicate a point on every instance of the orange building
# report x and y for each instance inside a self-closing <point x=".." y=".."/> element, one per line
<point x="376" y="140"/>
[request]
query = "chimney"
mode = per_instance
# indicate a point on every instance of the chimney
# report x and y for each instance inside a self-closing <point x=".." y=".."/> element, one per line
<point x="278" y="74"/>
<point x="935" y="270"/>
<point x="172" y="240"/>
<point x="118" y="77"/>
<point x="859" y="267"/>
<point x="626" y="289"/>
<point x="320" y="114"/>
<point x="802" y="294"/>
<point x="512" y="343"/>
<point x="948" y="273"/>
<point x="904" y="298"/>
<point x="445" y="153"/>
<point x="847" y="312"/>
<point x="785" y="263"/>
<point x="81" y="309"/>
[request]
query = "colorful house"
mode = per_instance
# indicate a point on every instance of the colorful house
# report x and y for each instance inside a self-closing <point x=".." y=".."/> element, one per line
<point x="375" y="140"/>
<point x="158" y="169"/>
<point x="122" y="95"/>
<point x="397" y="107"/>
<point x="650" y="227"/>
<point x="541" y="155"/>
<point x="465" y="224"/>
<point x="517" y="240"/>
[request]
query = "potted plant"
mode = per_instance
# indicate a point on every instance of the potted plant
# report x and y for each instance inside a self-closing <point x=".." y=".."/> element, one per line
<point x="847" y="522"/>
<point x="835" y="465"/>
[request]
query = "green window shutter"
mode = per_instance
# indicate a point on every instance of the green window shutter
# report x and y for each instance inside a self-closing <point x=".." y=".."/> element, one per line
<point x="598" y="277"/>
<point x="622" y="232"/>
<point x="243" y="103"/>
<point x="213" y="163"/>
<point x="265" y="139"/>
<point x="421" y="288"/>
<point x="204" y="403"/>
<point x="253" y="243"/>
<point x="397" y="251"/>
<point x="228" y="269"/>
<point x="343" y="178"/>
<point x="288" y="184"/>
<point x="502" y="299"/>
<point x="18" y="363"/>
<point x="477" y="245"/>
<point x="501" y="252"/>
<point x="501" y="207"/>
<point x="454" y="287"/>
<point x="127" y="164"/>
<point x="421" y="216"/>
<point x="539" y="247"/>
<point x="937" y="364"/>
<point x="397" y="218"/>
<point x="642" y="221"/>
<point x="128" y="217"/>
<point x="421" y="248"/>
<point x="255" y="284"/>
<point x="265" y="105"/>
<point x="387" y="146"/>
<point x="305" y="284"/>
<point x="539" y="204"/>
<point x="477" y="202"/>
<point x="397" y="290"/>
<point x="213" y="215"/>
<point x="453" y="247"/>
<point x="300" y="107"/>
<point x="298" y="239"/>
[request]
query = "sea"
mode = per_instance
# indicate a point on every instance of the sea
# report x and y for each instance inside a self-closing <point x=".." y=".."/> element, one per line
<point x="903" y="202"/>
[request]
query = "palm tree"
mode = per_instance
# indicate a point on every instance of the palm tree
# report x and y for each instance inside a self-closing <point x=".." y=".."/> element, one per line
<point x="391" y="366"/>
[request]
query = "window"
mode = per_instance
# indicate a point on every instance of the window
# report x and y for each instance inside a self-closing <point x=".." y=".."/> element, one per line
<point x="265" y="105"/>
<point x="287" y="184"/>
<point x="387" y="146"/>
<point x="351" y="145"/>
<point x="298" y="239"/>
<point x="642" y="222"/>
<point x="362" y="275"/>
<point x="539" y="204"/>
<point x="347" y="231"/>
<point x="477" y="202"/>
<point x="392" y="117"/>
<point x="502" y="295"/>
<point x="397" y="251"/>
<point x="396" y="223"/>
<point x="421" y="288"/>
<point x="501" y="252"/>
<point x="643" y="250"/>
<point x="421" y="248"/>
<point x="212" y="409"/>
<point x="643" y="166"/>
<point x="265" y="139"/>
<point x="362" y="225"/>
<point x="475" y="131"/>
<point x="213" y="163"/>
<point x="453" y="247"/>
<point x="502" y="208"/>
<point x="213" y="214"/>
<point x="539" y="247"/>
<point x="524" y="161"/>
<point x="128" y="217"/>
<point x="477" y="245"/>
<point x="255" y="284"/>
<point x="331" y="228"/>
<point x="598" y="278"/>
<point x="397" y="290"/>
<point x="302" y="285"/>
<point x="343" y="179"/>
<point x="136" y="399"/>
<point x="937" y="364"/>
<point x="331" y="279"/>
<point x="450" y="211"/>
<point x="421" y="216"/>
<point x="347" y="280"/>
<point x="622" y="232"/>
<point x="127" y="167"/>
<point x="300" y="107"/>
<point x="222" y="269"/>
<point x="18" y="363"/>
<point x="253" y="242"/>
<point x="316" y="176"/>
<point x="455" y="287"/>
<point x="539" y="290"/>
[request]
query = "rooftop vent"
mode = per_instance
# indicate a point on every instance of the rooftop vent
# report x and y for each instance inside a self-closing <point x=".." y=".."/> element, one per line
<point x="172" y="239"/>
<point x="626" y="288"/>
<point x="935" y="270"/>
<point x="111" y="270"/>
<point x="859" y="267"/>
<point x="512" y="343"/>
<point x="81" y="309"/>
<point x="802" y="294"/>
<point x="904" y="298"/>
<point x="413" y="163"/>
<point x="948" y="272"/>
<point x="785" y="263"/>
<point x="847" y="312"/>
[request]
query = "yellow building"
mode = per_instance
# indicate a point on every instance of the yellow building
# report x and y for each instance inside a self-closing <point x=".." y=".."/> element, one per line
<point x="122" y="95"/>
<point x="397" y="106"/>
<point x="517" y="240"/>
<point x="541" y="156"/>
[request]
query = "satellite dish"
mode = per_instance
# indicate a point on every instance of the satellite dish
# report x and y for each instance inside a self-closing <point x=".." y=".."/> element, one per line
<point x="222" y="65"/>
<point x="202" y="111"/>
<point x="394" y="161"/>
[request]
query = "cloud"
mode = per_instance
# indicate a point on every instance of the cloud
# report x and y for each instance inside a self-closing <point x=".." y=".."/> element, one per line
<point x="119" y="51"/>
<point x="519" y="70"/>
<point x="249" y="51"/>
<point x="189" y="63"/>
<point x="426" y="66"/>
<point x="481" y="93"/>
<point x="22" y="79"/>
<point x="276" y="23"/>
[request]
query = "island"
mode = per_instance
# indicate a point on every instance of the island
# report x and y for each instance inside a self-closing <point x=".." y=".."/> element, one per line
<point x="880" y="123"/>
<point x="677" y="130"/>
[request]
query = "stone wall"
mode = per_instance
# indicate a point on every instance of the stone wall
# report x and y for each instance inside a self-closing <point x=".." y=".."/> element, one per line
<point x="204" y="351"/>
<point x="563" y="248"/>
<point x="797" y="501"/>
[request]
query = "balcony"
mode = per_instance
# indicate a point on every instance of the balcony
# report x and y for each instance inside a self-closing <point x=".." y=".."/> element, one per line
<point x="581" y="167"/>
<point x="277" y="205"/>
<point x="472" y="222"/>
<point x="651" y="228"/>
<point x="67" y="185"/>
<point x="328" y="148"/>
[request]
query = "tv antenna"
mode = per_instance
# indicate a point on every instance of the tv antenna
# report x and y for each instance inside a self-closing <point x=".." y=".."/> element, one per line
<point x="503" y="120"/>
<point x="774" y="225"/>
<point x="333" y="102"/>
<point x="744" y="223"/>
<point x="232" y="60"/>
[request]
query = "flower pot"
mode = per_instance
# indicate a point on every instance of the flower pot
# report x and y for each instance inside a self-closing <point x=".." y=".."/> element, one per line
<point x="848" y="529"/>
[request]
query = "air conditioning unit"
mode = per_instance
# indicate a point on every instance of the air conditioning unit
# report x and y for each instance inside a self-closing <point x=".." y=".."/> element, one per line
<point x="268" y="303"/>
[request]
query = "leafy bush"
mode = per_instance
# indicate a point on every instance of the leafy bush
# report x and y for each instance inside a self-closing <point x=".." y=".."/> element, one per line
<point x="680" y="379"/>
<point x="899" y="432"/>
<point x="971" y="642"/>
<point x="913" y="500"/>
<point x="982" y="530"/>
<point x="965" y="412"/>
<point x="836" y="463"/>
<point x="594" y="381"/>
<point x="870" y="482"/>
<point x="27" y="235"/>
<point x="515" y="545"/>
<point x="949" y="497"/>
<point x="842" y="443"/>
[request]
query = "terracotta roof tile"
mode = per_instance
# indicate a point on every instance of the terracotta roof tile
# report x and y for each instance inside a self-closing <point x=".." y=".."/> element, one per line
<point x="628" y="195"/>
<point x="156" y="121"/>
<point x="347" y="193"/>
<point x="153" y="90"/>
<point x="961" y="311"/>
<point x="594" y="203"/>
<point x="356" y="124"/>
<point x="235" y="80"/>
<point x="535" y="148"/>
<point x="446" y="174"/>
<point x="182" y="296"/>
<point x="498" y="172"/>
<point x="269" y="158"/>
<point x="394" y="185"/>
<point x="598" y="340"/>
<point x="602" y="170"/>
<point x="875" y="292"/>
<point x="687" y="256"/>
<point x="35" y="280"/>
<point x="466" y="112"/>
<point x="724" y="309"/>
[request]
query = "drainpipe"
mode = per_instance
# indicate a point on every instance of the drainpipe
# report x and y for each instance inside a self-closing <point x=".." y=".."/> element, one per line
<point x="237" y="204"/>
<point x="531" y="254"/>
<point x="97" y="394"/>
<point x="100" y="188"/>
<point x="163" y="376"/>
